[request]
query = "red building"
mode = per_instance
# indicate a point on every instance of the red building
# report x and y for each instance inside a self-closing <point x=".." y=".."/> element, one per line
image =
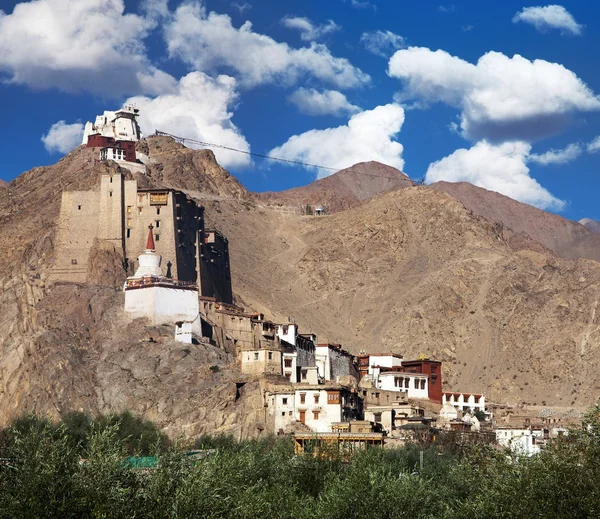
<point x="95" y="140"/>
<point x="433" y="368"/>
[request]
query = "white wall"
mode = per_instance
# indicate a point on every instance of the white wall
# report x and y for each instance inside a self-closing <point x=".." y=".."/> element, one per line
<point x="163" y="305"/>
<point x="328" y="413"/>
<point x="287" y="333"/>
<point x="291" y="358"/>
<point x="385" y="361"/>
<point x="520" y="441"/>
<point x="282" y="409"/>
<point x="464" y="401"/>
<point x="387" y="382"/>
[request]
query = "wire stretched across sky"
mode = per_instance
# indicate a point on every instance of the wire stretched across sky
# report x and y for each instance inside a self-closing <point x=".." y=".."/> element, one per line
<point x="183" y="140"/>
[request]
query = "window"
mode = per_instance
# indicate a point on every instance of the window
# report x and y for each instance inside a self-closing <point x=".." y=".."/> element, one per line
<point x="290" y="413"/>
<point x="270" y="355"/>
<point x="256" y="356"/>
<point x="73" y="262"/>
<point x="157" y="222"/>
<point x="315" y="415"/>
<point x="284" y="401"/>
<point x="157" y="237"/>
<point x="376" y="395"/>
<point x="406" y="382"/>
<point x="287" y="363"/>
<point x="158" y="210"/>
<point x="128" y="233"/>
<point x="333" y="397"/>
<point x="317" y="398"/>
<point x="282" y="413"/>
<point x="79" y="208"/>
<point x="302" y="398"/>
<point x="110" y="180"/>
<point x="110" y="193"/>
<point x="139" y="210"/>
<point x="304" y="372"/>
<point x="288" y="375"/>
<point x="377" y="417"/>
<point x="422" y="383"/>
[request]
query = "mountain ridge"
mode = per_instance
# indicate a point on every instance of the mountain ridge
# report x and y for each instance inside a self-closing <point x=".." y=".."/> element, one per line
<point x="411" y="270"/>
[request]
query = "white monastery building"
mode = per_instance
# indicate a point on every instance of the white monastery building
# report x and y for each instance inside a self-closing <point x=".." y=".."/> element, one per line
<point x="121" y="125"/>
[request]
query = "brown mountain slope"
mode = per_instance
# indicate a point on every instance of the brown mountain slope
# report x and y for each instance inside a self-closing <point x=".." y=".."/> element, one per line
<point x="69" y="346"/>
<point x="342" y="190"/>
<point x="411" y="270"/>
<point x="567" y="238"/>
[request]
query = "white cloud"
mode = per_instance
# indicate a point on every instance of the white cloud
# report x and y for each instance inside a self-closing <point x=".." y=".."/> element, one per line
<point x="63" y="137"/>
<point x="359" y="4"/>
<point x="500" y="98"/>
<point x="567" y="154"/>
<point x="501" y="168"/>
<point x="594" y="146"/>
<point x="312" y="102"/>
<point x="367" y="136"/>
<point x="242" y="7"/>
<point x="382" y="43"/>
<point x="549" y="17"/>
<point x="308" y="30"/>
<point x="209" y="42"/>
<point x="78" y="45"/>
<point x="446" y="8"/>
<point x="198" y="109"/>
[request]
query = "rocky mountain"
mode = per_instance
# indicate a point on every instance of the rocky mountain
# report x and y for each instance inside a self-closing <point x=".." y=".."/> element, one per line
<point x="567" y="238"/>
<point x="345" y="189"/>
<point x="590" y="225"/>
<point x="413" y="270"/>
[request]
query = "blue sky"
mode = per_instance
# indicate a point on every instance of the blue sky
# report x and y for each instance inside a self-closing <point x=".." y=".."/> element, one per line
<point x="501" y="94"/>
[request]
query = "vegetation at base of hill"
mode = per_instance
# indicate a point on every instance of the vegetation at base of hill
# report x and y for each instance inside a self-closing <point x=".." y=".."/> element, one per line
<point x="78" y="469"/>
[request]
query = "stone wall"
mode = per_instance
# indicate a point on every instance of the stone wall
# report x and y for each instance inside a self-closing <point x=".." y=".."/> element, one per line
<point x="77" y="230"/>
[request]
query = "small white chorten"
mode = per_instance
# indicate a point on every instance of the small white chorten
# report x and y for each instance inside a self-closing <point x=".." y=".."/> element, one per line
<point x="149" y="261"/>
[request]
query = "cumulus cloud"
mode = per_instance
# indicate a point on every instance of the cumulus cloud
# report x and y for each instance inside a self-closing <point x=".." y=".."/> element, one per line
<point x="567" y="154"/>
<point x="500" y="98"/>
<point x="63" y="137"/>
<point x="308" y="30"/>
<point x="369" y="135"/>
<point x="209" y="42"/>
<point x="78" y="45"/>
<point x="594" y="146"/>
<point x="328" y="102"/>
<point x="382" y="43"/>
<point x="198" y="109"/>
<point x="501" y="168"/>
<point x="549" y="17"/>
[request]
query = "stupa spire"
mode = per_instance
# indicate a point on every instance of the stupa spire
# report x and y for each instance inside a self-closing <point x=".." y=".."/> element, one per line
<point x="150" y="247"/>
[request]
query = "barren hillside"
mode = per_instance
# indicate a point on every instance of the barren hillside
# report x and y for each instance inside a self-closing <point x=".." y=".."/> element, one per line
<point x="411" y="270"/>
<point x="567" y="238"/>
<point x="345" y="189"/>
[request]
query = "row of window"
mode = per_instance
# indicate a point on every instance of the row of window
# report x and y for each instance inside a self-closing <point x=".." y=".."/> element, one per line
<point x="140" y="209"/>
<point x="405" y="382"/>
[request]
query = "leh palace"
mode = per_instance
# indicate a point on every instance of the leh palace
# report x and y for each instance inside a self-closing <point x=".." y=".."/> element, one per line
<point x="179" y="276"/>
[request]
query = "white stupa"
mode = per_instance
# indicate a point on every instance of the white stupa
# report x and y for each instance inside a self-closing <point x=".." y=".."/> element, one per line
<point x="149" y="261"/>
<point x="162" y="300"/>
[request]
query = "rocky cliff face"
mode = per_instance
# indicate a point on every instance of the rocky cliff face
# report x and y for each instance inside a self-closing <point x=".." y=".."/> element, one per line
<point x="413" y="270"/>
